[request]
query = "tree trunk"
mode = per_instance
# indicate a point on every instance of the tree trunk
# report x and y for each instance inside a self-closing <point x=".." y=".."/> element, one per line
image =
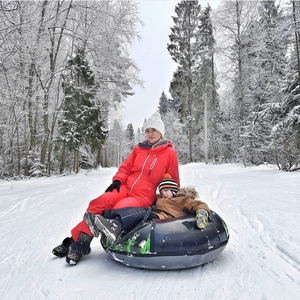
<point x="63" y="159"/>
<point x="205" y="128"/>
<point x="76" y="161"/>
<point x="30" y="108"/>
<point x="297" y="39"/>
<point x="240" y="98"/>
<point x="46" y="130"/>
<point x="240" y="79"/>
<point x="189" y="95"/>
<point x="18" y="143"/>
<point x="214" y="111"/>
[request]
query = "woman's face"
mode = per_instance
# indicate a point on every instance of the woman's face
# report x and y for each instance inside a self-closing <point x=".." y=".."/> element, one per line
<point x="152" y="135"/>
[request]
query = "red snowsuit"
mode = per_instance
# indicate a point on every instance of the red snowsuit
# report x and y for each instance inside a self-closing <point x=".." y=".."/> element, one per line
<point x="139" y="174"/>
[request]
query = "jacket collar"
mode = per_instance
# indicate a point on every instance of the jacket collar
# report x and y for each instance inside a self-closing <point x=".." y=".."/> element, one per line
<point x="146" y="144"/>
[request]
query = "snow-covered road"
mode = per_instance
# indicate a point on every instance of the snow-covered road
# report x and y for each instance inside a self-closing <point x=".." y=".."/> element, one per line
<point x="261" y="207"/>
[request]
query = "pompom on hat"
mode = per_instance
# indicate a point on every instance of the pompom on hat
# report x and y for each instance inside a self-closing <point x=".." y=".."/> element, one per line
<point x="156" y="122"/>
<point x="168" y="183"/>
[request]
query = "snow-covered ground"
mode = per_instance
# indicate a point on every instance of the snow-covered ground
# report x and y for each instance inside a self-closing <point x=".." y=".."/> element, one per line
<point x="260" y="205"/>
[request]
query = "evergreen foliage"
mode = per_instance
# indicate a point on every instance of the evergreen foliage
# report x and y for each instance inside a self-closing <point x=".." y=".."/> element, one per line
<point x="81" y="123"/>
<point x="163" y="104"/>
<point x="129" y="140"/>
<point x="183" y="50"/>
<point x="194" y="82"/>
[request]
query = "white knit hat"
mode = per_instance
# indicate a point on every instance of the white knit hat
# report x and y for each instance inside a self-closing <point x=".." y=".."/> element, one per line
<point x="156" y="122"/>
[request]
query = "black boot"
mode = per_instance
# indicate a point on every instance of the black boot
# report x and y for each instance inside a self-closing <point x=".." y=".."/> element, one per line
<point x="79" y="248"/>
<point x="63" y="249"/>
<point x="111" y="228"/>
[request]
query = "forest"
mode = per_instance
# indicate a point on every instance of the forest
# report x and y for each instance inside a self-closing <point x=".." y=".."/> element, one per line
<point x="66" y="68"/>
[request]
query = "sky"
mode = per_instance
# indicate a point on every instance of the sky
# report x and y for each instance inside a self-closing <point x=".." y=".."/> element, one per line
<point x="153" y="59"/>
<point x="261" y="261"/>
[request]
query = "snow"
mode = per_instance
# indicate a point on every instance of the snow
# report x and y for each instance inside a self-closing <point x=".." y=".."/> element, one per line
<point x="261" y="261"/>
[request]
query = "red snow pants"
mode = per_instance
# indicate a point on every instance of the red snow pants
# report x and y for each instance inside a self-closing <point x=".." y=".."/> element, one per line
<point x="109" y="200"/>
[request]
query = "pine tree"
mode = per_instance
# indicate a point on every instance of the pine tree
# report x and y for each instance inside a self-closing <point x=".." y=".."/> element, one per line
<point x="81" y="122"/>
<point x="129" y="142"/>
<point x="207" y="106"/>
<point x="163" y="104"/>
<point x="183" y="51"/>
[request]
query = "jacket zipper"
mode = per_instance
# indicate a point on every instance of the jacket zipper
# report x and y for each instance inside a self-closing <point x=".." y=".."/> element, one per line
<point x="140" y="173"/>
<point x="153" y="164"/>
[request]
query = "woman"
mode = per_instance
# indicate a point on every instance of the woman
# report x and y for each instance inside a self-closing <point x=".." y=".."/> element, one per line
<point x="170" y="204"/>
<point x="133" y="185"/>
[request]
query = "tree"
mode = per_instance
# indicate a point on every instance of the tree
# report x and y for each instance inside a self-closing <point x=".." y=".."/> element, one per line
<point x="235" y="18"/>
<point x="284" y="117"/>
<point x="267" y="61"/>
<point x="56" y="34"/>
<point x="174" y="131"/>
<point x="183" y="51"/>
<point x="115" y="144"/>
<point x="81" y="122"/>
<point x="205" y="78"/>
<point x="194" y="82"/>
<point x="139" y="136"/>
<point x="163" y="104"/>
<point x="129" y="142"/>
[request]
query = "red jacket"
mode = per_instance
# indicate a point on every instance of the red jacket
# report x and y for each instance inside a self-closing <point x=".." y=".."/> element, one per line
<point x="144" y="168"/>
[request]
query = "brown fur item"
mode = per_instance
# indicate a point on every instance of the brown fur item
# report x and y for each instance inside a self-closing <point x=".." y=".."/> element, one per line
<point x="186" y="191"/>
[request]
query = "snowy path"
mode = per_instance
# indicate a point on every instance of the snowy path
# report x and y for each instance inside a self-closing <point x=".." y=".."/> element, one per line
<point x="261" y="207"/>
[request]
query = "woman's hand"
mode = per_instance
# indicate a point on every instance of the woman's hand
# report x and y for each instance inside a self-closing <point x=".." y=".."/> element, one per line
<point x="115" y="185"/>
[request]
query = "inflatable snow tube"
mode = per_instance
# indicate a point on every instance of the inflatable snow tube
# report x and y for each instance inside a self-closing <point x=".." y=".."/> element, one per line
<point x="171" y="244"/>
